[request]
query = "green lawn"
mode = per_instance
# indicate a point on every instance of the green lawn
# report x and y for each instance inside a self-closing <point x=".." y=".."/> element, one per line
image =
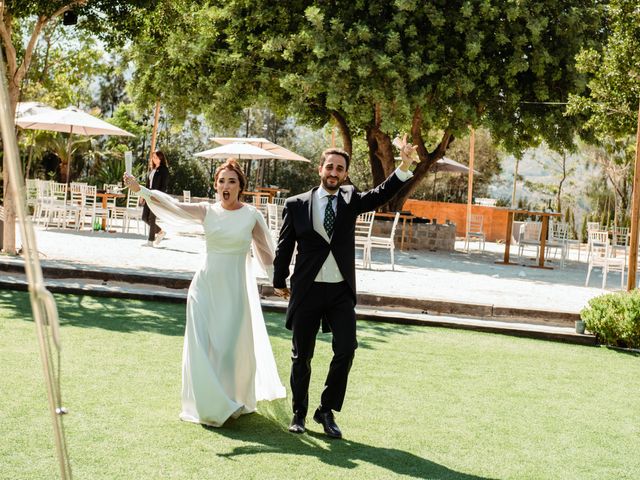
<point x="422" y="403"/>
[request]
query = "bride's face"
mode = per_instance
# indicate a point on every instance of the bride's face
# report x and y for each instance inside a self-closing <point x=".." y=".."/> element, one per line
<point x="228" y="186"/>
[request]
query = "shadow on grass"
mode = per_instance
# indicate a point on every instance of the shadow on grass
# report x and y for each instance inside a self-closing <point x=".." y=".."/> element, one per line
<point x="626" y="351"/>
<point x="267" y="434"/>
<point x="111" y="314"/>
<point x="123" y="315"/>
<point x="369" y="333"/>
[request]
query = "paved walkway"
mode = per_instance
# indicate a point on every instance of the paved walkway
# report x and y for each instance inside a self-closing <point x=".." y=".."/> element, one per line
<point x="465" y="279"/>
<point x="452" y="276"/>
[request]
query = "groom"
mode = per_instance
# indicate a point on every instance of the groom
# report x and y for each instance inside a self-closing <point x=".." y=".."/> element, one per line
<point x="323" y="286"/>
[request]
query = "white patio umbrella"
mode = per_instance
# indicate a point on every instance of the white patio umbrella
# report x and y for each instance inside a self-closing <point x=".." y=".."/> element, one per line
<point x="32" y="108"/>
<point x="72" y="121"/>
<point x="450" y="166"/>
<point x="280" y="152"/>
<point x="236" y="150"/>
<point x="447" y="165"/>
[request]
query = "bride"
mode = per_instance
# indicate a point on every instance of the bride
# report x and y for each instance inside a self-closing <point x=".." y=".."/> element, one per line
<point x="227" y="361"/>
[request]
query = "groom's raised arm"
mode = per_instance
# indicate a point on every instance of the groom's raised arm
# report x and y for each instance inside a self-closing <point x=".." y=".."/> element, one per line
<point x="384" y="192"/>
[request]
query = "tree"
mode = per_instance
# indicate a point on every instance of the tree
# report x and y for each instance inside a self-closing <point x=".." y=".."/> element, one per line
<point x="111" y="20"/>
<point x="377" y="68"/>
<point x="610" y="104"/>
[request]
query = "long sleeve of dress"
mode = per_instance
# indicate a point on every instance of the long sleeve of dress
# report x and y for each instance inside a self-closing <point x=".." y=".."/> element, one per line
<point x="168" y="209"/>
<point x="263" y="244"/>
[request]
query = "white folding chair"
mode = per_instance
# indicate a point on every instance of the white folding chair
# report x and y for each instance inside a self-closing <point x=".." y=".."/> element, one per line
<point x="76" y="203"/>
<point x="602" y="257"/>
<point x="43" y="194"/>
<point x="476" y="231"/>
<point x="93" y="208"/>
<point x="591" y="226"/>
<point x="274" y="219"/>
<point x="54" y="206"/>
<point x="558" y="235"/>
<point x="364" y="225"/>
<point x="385" y="242"/>
<point x="186" y="196"/>
<point x="529" y="236"/>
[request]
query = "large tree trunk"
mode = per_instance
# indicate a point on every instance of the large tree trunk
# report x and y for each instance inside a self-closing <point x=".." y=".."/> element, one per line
<point x="9" y="226"/>
<point x="381" y="158"/>
<point x="16" y="72"/>
<point x="382" y="162"/>
<point x="345" y="132"/>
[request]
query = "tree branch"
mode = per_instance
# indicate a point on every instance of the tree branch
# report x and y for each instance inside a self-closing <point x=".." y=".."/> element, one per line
<point x="20" y="72"/>
<point x="5" y="34"/>
<point x="344" y="130"/>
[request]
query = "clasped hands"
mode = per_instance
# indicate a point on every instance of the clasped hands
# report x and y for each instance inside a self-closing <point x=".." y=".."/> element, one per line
<point x="282" y="292"/>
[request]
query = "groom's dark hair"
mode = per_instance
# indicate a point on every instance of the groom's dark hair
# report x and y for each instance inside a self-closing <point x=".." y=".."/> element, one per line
<point x="336" y="151"/>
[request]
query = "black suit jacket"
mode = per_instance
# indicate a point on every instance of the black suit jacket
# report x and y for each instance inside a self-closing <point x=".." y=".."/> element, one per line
<point x="160" y="179"/>
<point x="313" y="249"/>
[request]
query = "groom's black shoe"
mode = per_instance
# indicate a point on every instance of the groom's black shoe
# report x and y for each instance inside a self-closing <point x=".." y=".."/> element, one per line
<point x="297" y="423"/>
<point x="329" y="424"/>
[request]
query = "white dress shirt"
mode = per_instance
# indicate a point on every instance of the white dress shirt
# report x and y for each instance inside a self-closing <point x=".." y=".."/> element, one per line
<point x="330" y="273"/>
<point x="151" y="175"/>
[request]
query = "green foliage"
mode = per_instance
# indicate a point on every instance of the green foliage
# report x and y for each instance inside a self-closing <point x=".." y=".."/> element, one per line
<point x="615" y="318"/>
<point x="65" y="64"/>
<point x="188" y="173"/>
<point x="460" y="63"/>
<point x="121" y="380"/>
<point x="610" y="105"/>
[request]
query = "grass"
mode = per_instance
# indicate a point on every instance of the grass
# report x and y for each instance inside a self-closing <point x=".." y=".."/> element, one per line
<point x="422" y="403"/>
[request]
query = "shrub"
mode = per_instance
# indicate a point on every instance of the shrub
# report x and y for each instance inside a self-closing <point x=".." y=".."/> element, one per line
<point x="614" y="318"/>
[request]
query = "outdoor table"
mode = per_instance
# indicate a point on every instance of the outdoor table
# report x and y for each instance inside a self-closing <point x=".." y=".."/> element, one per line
<point x="404" y="217"/>
<point x="543" y="234"/>
<point x="272" y="191"/>
<point x="105" y="196"/>
<point x="256" y="196"/>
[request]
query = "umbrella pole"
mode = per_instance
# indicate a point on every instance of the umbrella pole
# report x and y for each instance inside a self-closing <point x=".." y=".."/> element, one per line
<point x="69" y="154"/>
<point x="472" y="141"/>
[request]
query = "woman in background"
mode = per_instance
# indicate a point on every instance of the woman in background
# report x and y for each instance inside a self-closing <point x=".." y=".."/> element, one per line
<point x="158" y="179"/>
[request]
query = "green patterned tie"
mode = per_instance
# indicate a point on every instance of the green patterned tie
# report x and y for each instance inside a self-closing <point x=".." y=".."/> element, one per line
<point x="329" y="216"/>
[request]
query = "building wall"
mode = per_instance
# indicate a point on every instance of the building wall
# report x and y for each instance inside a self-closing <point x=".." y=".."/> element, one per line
<point x="494" y="221"/>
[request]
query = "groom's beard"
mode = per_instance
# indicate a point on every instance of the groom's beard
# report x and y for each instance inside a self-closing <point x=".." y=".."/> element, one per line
<point x="332" y="187"/>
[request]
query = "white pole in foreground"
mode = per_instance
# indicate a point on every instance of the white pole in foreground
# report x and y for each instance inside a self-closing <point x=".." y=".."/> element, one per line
<point x="45" y="313"/>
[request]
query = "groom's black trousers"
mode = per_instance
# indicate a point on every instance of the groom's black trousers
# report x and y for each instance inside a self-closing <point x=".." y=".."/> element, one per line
<point x="333" y="302"/>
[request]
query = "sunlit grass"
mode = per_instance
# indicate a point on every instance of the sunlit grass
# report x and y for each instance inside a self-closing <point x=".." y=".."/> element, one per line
<point x="422" y="403"/>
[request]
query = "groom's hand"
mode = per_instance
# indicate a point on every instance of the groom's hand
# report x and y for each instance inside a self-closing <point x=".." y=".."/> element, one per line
<point x="282" y="292"/>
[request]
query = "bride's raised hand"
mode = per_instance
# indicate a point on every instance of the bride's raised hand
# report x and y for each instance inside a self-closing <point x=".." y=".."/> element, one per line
<point x="131" y="182"/>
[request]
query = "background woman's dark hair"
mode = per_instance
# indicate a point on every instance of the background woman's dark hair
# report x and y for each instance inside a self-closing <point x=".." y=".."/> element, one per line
<point x="232" y="165"/>
<point x="161" y="156"/>
<point x="337" y="151"/>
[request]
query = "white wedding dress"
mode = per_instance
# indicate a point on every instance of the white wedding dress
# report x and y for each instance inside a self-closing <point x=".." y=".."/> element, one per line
<point x="227" y="361"/>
